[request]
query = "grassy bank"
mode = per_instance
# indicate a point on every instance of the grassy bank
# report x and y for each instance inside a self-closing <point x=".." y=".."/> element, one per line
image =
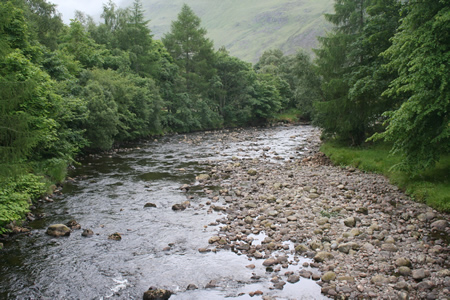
<point x="289" y="116"/>
<point x="431" y="186"/>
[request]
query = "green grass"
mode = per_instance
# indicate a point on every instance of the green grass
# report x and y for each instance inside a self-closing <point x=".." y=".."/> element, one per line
<point x="431" y="186"/>
<point x="247" y="28"/>
<point x="290" y="116"/>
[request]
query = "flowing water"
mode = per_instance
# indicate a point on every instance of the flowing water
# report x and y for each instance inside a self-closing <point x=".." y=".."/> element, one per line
<point x="159" y="246"/>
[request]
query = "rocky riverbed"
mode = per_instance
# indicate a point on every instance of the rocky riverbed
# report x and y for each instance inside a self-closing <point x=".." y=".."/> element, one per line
<point x="237" y="214"/>
<point x="367" y="238"/>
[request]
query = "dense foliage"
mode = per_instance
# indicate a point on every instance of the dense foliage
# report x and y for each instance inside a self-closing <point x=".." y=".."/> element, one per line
<point x="87" y="86"/>
<point x="68" y="89"/>
<point x="384" y="71"/>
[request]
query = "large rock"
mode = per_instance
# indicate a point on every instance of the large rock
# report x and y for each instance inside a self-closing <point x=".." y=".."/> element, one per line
<point x="252" y="172"/>
<point x="115" y="236"/>
<point x="418" y="274"/>
<point x="379" y="279"/>
<point x="301" y="248"/>
<point x="403" y="262"/>
<point x="293" y="278"/>
<point x="179" y="206"/>
<point x="270" y="262"/>
<point x="439" y="225"/>
<point x="203" y="177"/>
<point x="389" y="247"/>
<point x="154" y="293"/>
<point x="350" y="222"/>
<point x="72" y="224"/>
<point x="87" y="232"/>
<point x="58" y="230"/>
<point x="404" y="270"/>
<point x="323" y="256"/>
<point x="328" y="276"/>
<point x="346" y="247"/>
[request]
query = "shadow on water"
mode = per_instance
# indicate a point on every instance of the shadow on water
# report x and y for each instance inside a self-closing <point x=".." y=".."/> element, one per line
<point x="159" y="246"/>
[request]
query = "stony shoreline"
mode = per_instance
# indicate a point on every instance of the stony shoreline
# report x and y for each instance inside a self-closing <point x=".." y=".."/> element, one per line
<point x="367" y="238"/>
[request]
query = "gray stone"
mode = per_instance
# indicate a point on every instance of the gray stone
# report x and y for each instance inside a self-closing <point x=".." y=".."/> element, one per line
<point x="350" y="222"/>
<point x="401" y="285"/>
<point x="279" y="285"/>
<point x="418" y="274"/>
<point x="252" y="172"/>
<point x="328" y="276"/>
<point x="368" y="247"/>
<point x="115" y="236"/>
<point x="293" y="278"/>
<point x="346" y="247"/>
<point x="270" y="262"/>
<point x="355" y="232"/>
<point x="322" y="221"/>
<point x="203" y="177"/>
<point x="87" y="232"/>
<point x="301" y="248"/>
<point x="313" y="196"/>
<point x="404" y="270"/>
<point x="402" y="261"/>
<point x="323" y="256"/>
<point x="154" y="293"/>
<point x="389" y="247"/>
<point x="178" y="206"/>
<point x="191" y="287"/>
<point x="58" y="230"/>
<point x="379" y="279"/>
<point x="444" y="273"/>
<point x="439" y="225"/>
<point x="305" y="273"/>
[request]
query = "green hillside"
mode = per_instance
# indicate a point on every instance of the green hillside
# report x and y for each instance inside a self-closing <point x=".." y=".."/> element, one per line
<point x="248" y="27"/>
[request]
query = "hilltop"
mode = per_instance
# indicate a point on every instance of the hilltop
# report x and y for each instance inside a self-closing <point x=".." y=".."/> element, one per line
<point x="248" y="28"/>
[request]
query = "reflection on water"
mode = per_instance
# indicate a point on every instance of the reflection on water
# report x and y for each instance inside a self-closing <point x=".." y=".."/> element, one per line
<point x="159" y="246"/>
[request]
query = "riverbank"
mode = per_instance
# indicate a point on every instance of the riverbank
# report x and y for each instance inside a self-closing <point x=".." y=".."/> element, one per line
<point x="431" y="186"/>
<point x="367" y="238"/>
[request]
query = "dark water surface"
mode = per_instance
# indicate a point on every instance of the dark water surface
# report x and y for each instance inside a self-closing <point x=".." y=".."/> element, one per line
<point x="108" y="196"/>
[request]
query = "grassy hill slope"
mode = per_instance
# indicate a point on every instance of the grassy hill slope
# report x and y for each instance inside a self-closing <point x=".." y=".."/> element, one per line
<point x="248" y="27"/>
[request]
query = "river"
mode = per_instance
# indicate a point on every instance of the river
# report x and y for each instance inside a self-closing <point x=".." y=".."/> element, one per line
<point x="159" y="246"/>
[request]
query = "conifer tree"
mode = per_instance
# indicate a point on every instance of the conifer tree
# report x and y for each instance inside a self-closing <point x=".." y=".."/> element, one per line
<point x="420" y="54"/>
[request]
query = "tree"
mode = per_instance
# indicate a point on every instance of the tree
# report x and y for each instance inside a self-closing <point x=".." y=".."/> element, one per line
<point x="231" y="88"/>
<point x="194" y="55"/>
<point x="420" y="54"/>
<point x="191" y="50"/>
<point x="45" y="22"/>
<point x="77" y="42"/>
<point x="25" y="93"/>
<point x="349" y="65"/>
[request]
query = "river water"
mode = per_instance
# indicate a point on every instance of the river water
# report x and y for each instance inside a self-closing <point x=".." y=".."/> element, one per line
<point x="159" y="246"/>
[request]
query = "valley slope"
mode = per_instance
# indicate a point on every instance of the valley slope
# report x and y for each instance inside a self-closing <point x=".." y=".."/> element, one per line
<point x="248" y="27"/>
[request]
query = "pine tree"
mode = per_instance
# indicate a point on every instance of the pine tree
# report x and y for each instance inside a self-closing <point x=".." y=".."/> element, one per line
<point x="349" y="64"/>
<point x="191" y="50"/>
<point x="420" y="54"/>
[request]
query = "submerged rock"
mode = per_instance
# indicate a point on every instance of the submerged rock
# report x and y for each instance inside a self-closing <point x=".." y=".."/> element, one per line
<point x="72" y="224"/>
<point x="115" y="236"/>
<point x="154" y="293"/>
<point x="203" y="177"/>
<point x="87" y="232"/>
<point x="178" y="206"/>
<point x="149" y="204"/>
<point x="58" y="230"/>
